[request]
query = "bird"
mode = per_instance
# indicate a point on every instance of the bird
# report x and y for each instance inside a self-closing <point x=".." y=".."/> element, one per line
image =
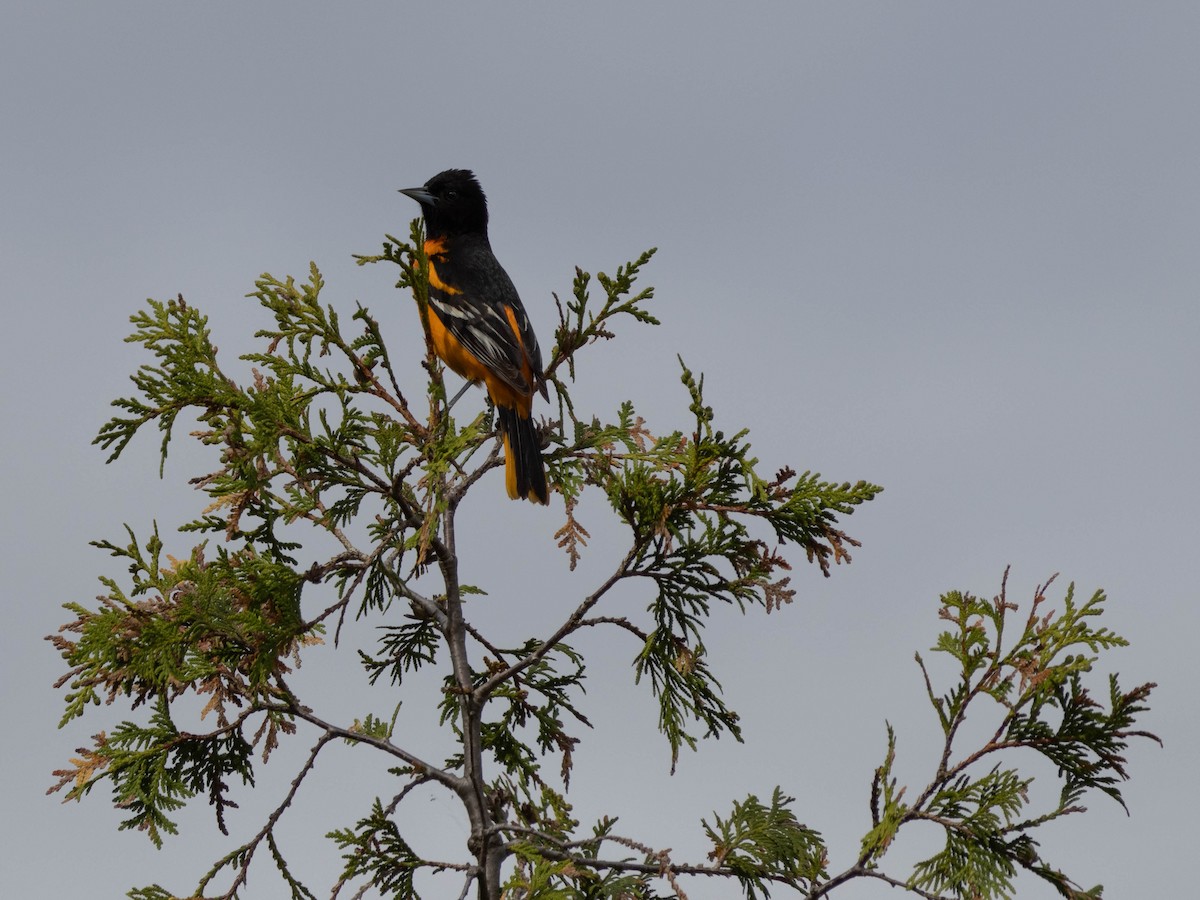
<point x="477" y="324"/>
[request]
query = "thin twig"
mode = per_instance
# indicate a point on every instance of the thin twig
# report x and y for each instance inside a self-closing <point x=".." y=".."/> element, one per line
<point x="250" y="848"/>
<point x="472" y="873"/>
<point x="620" y="621"/>
<point x="572" y="623"/>
<point x="904" y="885"/>
<point x="441" y="776"/>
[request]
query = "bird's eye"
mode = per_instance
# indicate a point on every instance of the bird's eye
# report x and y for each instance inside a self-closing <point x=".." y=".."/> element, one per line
<point x="451" y="195"/>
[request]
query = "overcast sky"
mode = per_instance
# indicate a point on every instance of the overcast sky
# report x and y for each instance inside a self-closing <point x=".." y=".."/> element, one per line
<point x="949" y="249"/>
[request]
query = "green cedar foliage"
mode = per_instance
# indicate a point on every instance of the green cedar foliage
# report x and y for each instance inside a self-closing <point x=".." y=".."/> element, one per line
<point x="320" y="456"/>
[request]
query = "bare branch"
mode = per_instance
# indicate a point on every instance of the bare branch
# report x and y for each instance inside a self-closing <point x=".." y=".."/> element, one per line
<point x="572" y="623"/>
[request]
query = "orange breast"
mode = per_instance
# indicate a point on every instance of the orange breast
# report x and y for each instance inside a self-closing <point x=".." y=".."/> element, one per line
<point x="452" y="353"/>
<point x="458" y="358"/>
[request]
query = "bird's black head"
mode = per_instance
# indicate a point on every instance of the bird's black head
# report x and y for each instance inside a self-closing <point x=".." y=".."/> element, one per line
<point x="452" y="203"/>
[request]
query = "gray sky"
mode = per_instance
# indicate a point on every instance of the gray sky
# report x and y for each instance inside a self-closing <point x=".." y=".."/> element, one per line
<point x="947" y="249"/>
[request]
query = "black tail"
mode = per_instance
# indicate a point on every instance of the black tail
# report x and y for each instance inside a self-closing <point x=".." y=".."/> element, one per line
<point x="524" y="471"/>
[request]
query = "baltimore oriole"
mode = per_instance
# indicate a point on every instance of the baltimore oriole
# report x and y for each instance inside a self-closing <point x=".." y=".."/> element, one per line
<point x="476" y="322"/>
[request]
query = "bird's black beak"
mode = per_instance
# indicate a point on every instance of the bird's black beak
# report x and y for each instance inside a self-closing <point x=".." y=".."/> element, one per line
<point x="419" y="194"/>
